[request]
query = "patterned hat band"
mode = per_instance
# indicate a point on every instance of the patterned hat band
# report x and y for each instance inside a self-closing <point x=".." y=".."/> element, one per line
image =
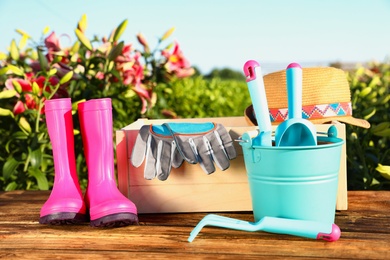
<point x="314" y="111"/>
<point x="326" y="87"/>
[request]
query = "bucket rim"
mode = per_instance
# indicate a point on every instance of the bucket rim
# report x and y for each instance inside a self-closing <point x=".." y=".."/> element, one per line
<point x="329" y="143"/>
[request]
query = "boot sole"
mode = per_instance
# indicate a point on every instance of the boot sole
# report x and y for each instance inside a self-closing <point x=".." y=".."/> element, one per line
<point x="115" y="220"/>
<point x="63" y="218"/>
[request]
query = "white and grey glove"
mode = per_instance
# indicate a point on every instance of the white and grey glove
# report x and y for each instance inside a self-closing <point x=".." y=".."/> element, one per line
<point x="203" y="143"/>
<point x="159" y="152"/>
<point x="171" y="143"/>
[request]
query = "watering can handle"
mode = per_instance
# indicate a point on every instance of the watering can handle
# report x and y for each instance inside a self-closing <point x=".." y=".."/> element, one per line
<point x="294" y="90"/>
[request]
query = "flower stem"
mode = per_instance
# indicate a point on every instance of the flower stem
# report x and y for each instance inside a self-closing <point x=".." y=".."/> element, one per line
<point x="38" y="116"/>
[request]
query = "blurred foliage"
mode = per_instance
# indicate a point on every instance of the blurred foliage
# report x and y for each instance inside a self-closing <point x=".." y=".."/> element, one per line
<point x="32" y="72"/>
<point x="368" y="150"/>
<point x="199" y="97"/>
<point x="226" y="73"/>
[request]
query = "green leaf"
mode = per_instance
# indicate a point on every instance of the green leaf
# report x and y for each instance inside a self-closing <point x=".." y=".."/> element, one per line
<point x="116" y="51"/>
<point x="36" y="158"/>
<point x="42" y="60"/>
<point x="11" y="186"/>
<point x="384" y="99"/>
<point x="15" y="70"/>
<point x="380" y="127"/>
<point x="14" y="51"/>
<point x="75" y="48"/>
<point x="375" y="82"/>
<point x="40" y="177"/>
<point x="365" y="92"/>
<point x="6" y="112"/>
<point x="7" y="93"/>
<point x="17" y="86"/>
<point x="119" y="30"/>
<point x="19" y="135"/>
<point x="46" y="94"/>
<point x="384" y="170"/>
<point x="47" y="161"/>
<point x="83" y="39"/>
<point x="383" y="133"/>
<point x="57" y="59"/>
<point x="68" y="76"/>
<point x="369" y="112"/>
<point x="3" y="70"/>
<point x="114" y="72"/>
<point x="10" y="167"/>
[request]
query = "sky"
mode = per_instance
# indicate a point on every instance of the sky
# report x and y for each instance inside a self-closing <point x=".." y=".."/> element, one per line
<point x="221" y="33"/>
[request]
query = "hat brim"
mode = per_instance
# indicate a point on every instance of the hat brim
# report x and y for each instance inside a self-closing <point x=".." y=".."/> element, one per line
<point x="251" y="120"/>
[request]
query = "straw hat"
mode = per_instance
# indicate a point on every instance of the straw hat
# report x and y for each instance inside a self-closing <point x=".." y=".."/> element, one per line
<point x="326" y="97"/>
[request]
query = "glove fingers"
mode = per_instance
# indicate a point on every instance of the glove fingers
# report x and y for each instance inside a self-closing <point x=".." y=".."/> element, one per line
<point x="205" y="155"/>
<point x="163" y="163"/>
<point x="150" y="163"/>
<point x="140" y="147"/>
<point x="177" y="159"/>
<point x="187" y="149"/>
<point x="220" y="156"/>
<point x="227" y="141"/>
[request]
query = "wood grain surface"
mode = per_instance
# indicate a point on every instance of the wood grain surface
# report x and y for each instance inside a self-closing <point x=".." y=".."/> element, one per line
<point x="365" y="228"/>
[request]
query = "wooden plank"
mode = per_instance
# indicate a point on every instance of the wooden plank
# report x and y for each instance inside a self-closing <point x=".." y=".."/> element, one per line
<point x="365" y="234"/>
<point x="122" y="162"/>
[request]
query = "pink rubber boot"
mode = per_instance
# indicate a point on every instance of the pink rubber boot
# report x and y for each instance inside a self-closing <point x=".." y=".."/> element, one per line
<point x="107" y="206"/>
<point x="65" y="204"/>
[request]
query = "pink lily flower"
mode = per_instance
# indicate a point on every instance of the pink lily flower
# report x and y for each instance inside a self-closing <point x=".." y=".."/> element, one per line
<point x="177" y="63"/>
<point x="26" y="90"/>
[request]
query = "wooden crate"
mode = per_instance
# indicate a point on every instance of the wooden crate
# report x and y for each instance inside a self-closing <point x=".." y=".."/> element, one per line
<point x="188" y="188"/>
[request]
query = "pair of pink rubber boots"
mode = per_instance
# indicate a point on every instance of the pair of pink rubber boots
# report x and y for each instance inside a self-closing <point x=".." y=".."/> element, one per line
<point x="103" y="204"/>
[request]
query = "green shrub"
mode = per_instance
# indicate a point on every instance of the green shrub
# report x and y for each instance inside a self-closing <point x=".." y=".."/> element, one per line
<point x="368" y="150"/>
<point x="197" y="97"/>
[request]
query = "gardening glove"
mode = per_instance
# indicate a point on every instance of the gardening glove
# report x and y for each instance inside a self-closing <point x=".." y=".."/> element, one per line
<point x="159" y="151"/>
<point x="203" y="143"/>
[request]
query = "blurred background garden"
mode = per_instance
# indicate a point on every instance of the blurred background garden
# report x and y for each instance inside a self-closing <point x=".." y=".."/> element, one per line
<point x="176" y="59"/>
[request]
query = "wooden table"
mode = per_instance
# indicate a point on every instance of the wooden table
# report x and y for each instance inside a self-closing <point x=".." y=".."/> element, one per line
<point x="365" y="234"/>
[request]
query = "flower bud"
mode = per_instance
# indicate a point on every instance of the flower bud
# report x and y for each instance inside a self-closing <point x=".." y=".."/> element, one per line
<point x="167" y="34"/>
<point x="141" y="39"/>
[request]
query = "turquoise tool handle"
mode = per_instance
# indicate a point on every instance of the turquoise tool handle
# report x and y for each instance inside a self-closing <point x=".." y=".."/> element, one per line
<point x="294" y="90"/>
<point x="294" y="227"/>
<point x="301" y="228"/>
<point x="257" y="93"/>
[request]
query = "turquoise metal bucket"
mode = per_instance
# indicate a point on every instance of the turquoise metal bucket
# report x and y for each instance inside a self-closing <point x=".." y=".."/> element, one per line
<point x="296" y="182"/>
